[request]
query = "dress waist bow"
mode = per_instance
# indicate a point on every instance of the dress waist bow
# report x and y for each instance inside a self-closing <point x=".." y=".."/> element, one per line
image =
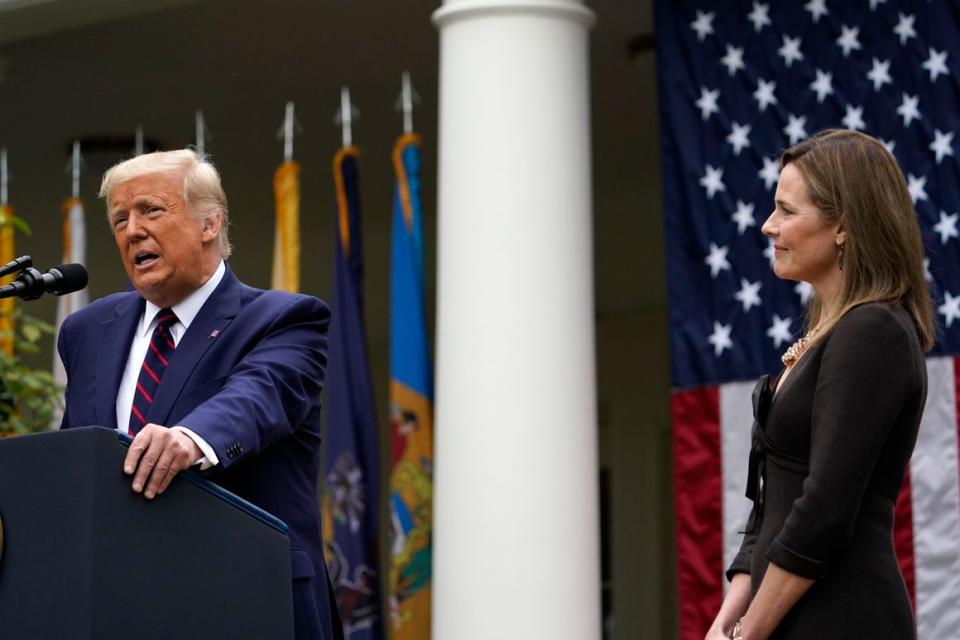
<point x="763" y="448"/>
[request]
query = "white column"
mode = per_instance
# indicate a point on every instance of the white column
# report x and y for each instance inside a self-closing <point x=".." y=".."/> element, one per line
<point x="516" y="542"/>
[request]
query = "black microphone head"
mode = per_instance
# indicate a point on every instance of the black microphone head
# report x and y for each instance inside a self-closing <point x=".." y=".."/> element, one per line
<point x="73" y="277"/>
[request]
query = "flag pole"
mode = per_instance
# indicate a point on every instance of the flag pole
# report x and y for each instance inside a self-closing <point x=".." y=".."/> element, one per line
<point x="138" y="141"/>
<point x="406" y="102"/>
<point x="4" y="177"/>
<point x="201" y="132"/>
<point x="288" y="121"/>
<point x="75" y="169"/>
<point x="346" y="116"/>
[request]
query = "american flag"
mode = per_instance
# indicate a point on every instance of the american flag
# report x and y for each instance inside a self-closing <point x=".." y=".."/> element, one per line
<point x="740" y="81"/>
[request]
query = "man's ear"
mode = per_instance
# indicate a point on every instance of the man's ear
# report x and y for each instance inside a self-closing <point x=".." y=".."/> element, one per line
<point x="210" y="227"/>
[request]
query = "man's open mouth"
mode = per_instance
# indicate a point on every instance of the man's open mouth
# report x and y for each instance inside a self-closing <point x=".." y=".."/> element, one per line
<point x="144" y="258"/>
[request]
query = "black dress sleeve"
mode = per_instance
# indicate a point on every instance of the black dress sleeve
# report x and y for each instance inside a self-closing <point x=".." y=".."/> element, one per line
<point x="866" y="372"/>
<point x="741" y="563"/>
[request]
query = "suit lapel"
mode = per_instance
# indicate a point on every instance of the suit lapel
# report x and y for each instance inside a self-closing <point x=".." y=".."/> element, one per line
<point x="215" y="314"/>
<point x="116" y="335"/>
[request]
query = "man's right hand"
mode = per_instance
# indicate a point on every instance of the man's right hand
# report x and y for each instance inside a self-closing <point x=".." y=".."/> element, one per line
<point x="156" y="455"/>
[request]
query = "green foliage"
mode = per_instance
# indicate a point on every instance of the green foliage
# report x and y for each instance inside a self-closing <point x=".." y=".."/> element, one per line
<point x="20" y="225"/>
<point x="16" y="222"/>
<point x="29" y="397"/>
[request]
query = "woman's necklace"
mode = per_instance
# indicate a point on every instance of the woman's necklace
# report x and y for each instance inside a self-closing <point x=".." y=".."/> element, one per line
<point x="791" y="355"/>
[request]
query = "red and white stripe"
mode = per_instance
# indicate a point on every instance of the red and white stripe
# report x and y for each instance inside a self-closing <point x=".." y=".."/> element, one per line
<point x="711" y="447"/>
<point x="74" y="250"/>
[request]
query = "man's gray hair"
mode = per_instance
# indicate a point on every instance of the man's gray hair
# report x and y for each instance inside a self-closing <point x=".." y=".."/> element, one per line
<point x="202" y="190"/>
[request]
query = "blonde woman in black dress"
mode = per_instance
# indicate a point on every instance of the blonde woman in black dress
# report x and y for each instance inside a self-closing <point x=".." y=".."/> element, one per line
<point x="835" y="430"/>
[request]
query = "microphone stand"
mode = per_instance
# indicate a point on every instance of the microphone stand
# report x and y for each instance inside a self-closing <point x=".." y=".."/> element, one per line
<point x="19" y="264"/>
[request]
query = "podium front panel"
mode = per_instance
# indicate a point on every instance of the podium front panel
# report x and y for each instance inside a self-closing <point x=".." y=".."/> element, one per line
<point x="86" y="557"/>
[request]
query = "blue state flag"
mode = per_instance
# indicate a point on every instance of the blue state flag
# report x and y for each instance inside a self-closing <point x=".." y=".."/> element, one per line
<point x="411" y="408"/>
<point x="350" y="496"/>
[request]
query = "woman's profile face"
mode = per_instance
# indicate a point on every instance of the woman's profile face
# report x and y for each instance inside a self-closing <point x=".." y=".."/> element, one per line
<point x="805" y="245"/>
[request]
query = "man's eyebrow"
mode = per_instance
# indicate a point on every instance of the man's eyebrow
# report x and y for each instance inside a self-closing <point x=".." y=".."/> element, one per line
<point x="138" y="201"/>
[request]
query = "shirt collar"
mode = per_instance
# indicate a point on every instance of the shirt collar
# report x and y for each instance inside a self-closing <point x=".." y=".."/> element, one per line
<point x="188" y="308"/>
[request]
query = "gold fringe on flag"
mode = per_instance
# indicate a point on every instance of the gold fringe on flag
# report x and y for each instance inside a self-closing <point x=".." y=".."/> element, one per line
<point x="7" y="305"/>
<point x="343" y="207"/>
<point x="286" y="247"/>
<point x="401" y="173"/>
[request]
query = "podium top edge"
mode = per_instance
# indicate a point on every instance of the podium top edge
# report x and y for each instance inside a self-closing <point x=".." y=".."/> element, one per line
<point x="197" y="480"/>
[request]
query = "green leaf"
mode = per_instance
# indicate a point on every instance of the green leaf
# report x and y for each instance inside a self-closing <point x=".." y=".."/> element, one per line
<point x="21" y="225"/>
<point x="31" y="332"/>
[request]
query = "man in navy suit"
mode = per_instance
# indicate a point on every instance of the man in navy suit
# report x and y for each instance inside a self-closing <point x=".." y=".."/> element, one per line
<point x="203" y="370"/>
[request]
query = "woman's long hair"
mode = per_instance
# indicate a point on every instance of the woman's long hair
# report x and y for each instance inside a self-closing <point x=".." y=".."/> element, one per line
<point x="854" y="180"/>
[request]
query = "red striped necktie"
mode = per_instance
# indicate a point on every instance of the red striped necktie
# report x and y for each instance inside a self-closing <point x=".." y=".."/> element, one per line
<point x="155" y="363"/>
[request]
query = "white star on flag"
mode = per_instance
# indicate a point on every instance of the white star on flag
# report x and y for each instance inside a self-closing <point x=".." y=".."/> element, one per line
<point x="926" y="270"/>
<point x="708" y="102"/>
<point x="849" y="39"/>
<point x="879" y="75"/>
<point x="950" y="308"/>
<point x="712" y="181"/>
<point x="703" y="25"/>
<point x="770" y="172"/>
<point x="779" y="331"/>
<point x="790" y="50"/>
<point x="738" y="137"/>
<point x="817" y="9"/>
<point x="889" y="145"/>
<point x="760" y="16"/>
<point x="947" y="227"/>
<point x="749" y="294"/>
<point x="854" y="118"/>
<point x="795" y="128"/>
<point x="720" y="338"/>
<point x="764" y="94"/>
<point x="804" y="290"/>
<point x="909" y="109"/>
<point x="936" y="64"/>
<point x="733" y="60"/>
<point x="942" y="144"/>
<point x="875" y="3"/>
<point x="823" y="85"/>
<point x="770" y="253"/>
<point x="917" y="187"/>
<point x="717" y="260"/>
<point x="904" y="28"/>
<point x="743" y="216"/>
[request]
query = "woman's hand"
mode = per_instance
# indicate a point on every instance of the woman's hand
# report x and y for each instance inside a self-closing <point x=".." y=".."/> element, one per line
<point x="734" y="605"/>
<point x="777" y="594"/>
<point x="718" y="632"/>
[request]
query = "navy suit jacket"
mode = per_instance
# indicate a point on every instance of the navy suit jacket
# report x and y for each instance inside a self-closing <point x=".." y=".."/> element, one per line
<point x="246" y="377"/>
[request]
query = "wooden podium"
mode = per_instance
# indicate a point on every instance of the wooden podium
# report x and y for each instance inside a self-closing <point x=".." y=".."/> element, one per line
<point x="84" y="557"/>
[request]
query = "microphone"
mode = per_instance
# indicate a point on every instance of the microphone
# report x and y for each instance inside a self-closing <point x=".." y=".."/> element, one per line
<point x="31" y="284"/>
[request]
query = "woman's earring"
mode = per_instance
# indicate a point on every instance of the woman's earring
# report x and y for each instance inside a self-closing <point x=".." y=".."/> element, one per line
<point x="840" y="257"/>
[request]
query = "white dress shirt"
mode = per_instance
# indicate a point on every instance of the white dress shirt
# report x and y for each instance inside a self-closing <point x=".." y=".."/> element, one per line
<point x="186" y="310"/>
